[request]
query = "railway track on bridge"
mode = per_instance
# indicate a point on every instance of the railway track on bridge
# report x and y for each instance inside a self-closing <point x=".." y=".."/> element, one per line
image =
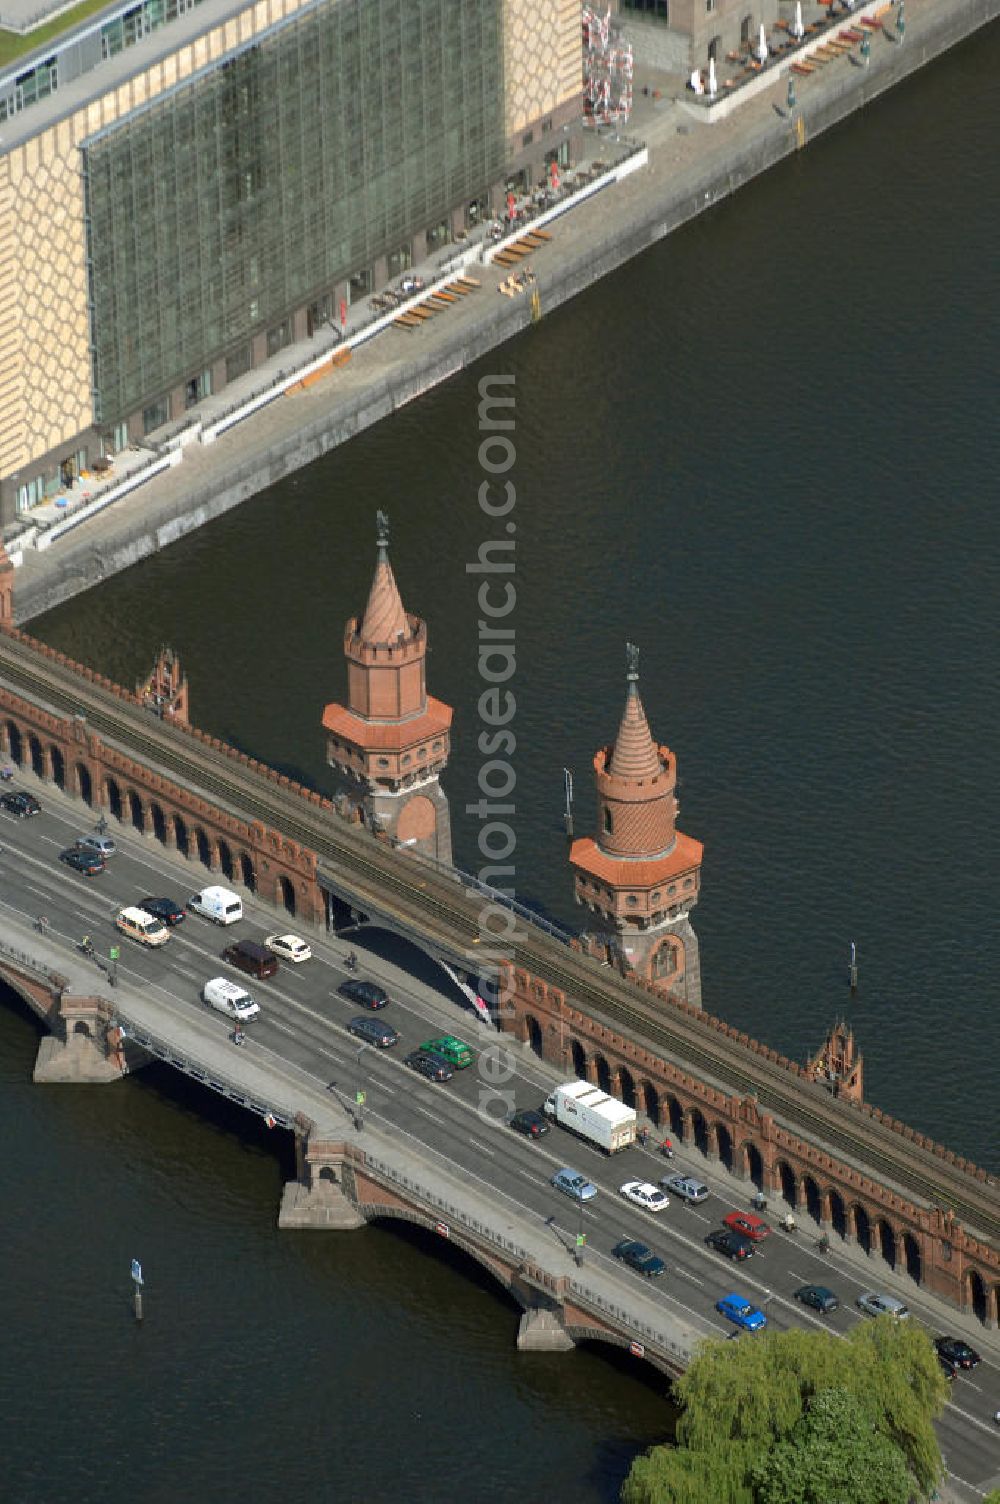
<point x="440" y="908"/>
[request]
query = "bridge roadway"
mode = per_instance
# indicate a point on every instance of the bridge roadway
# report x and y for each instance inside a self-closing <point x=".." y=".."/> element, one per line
<point x="437" y="912"/>
<point x="301" y="1058"/>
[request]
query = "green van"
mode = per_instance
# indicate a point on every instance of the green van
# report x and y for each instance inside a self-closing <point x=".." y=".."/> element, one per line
<point x="455" y="1051"/>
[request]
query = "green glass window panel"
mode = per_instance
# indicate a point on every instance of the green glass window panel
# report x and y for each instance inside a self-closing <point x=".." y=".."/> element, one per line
<point x="250" y="190"/>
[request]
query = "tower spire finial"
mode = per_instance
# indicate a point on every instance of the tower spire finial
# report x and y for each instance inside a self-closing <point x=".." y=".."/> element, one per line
<point x="382" y="526"/>
<point x="632" y="659"/>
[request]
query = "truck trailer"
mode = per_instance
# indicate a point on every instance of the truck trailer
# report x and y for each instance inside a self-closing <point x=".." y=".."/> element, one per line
<point x="591" y="1113"/>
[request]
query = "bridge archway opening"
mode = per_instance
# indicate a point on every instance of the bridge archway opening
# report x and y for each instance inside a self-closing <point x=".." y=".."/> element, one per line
<point x="203" y="847"/>
<point x="975" y="1295"/>
<point x="912" y="1261"/>
<point x="136" y="812"/>
<point x="82" y="1027"/>
<point x="181" y="837"/>
<point x="626" y="1086"/>
<point x="411" y="1228"/>
<point x="725" y="1141"/>
<point x="755" y="1165"/>
<point x="37" y="756"/>
<point x="813" y="1198"/>
<point x="159" y="823"/>
<point x="603" y="1072"/>
<point x="579" y="1057"/>
<point x="838" y="1214"/>
<point x="887" y="1242"/>
<point x="15" y="743"/>
<point x="614" y="1352"/>
<point x="786" y="1182"/>
<point x="58" y="766"/>
<point x="248" y="876"/>
<point x="84" y="783"/>
<point x="226" y="860"/>
<point x="675" y="1117"/>
<point x="286" y="894"/>
<point x="651" y="1103"/>
<point x="862" y="1228"/>
<point x="699" y="1130"/>
<point x="114" y="797"/>
<point x="327" y="1175"/>
<point x="533" y="1034"/>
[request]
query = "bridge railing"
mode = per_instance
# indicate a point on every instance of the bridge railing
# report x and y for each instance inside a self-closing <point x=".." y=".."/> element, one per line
<point x="280" y="1115"/>
<point x="32" y="964"/>
<point x="636" y="1329"/>
<point x="495" y="895"/>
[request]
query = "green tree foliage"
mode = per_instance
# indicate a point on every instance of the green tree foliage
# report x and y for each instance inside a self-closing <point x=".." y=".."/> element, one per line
<point x="755" y="1402"/>
<point x="834" y="1455"/>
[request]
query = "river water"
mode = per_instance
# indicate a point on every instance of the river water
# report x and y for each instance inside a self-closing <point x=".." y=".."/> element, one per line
<point x="766" y="452"/>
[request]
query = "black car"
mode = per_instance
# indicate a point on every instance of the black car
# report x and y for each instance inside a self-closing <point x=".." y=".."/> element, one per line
<point x="819" y="1297"/>
<point x="164" y="909"/>
<point x="531" y="1123"/>
<point x="374" y="1031"/>
<point x="956" y="1352"/>
<point x="638" y="1257"/>
<point x="87" y="862"/>
<point x="20" y="804"/>
<point x="366" y="994"/>
<point x="431" y="1066"/>
<point x="733" y="1244"/>
<point x="948" y="1369"/>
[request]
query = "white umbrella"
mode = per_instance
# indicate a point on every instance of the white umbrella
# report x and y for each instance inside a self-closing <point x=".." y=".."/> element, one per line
<point x="712" y="84"/>
<point x="762" y="48"/>
<point x="798" y="29"/>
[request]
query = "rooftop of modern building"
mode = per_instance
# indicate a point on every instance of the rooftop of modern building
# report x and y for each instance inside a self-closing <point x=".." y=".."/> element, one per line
<point x="72" y="26"/>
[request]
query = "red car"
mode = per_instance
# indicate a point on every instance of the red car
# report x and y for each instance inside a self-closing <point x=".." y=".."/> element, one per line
<point x="747" y="1224"/>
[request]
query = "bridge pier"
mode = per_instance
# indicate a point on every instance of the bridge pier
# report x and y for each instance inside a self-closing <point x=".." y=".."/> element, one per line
<point x="321" y="1199"/>
<point x="541" y="1331"/>
<point x="86" y="1051"/>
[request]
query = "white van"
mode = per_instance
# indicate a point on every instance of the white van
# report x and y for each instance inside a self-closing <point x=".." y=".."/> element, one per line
<point x="217" y="904"/>
<point x="138" y="925"/>
<point x="229" y="998"/>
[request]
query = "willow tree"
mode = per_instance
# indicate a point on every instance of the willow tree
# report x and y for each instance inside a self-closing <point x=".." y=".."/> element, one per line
<point x="766" y="1401"/>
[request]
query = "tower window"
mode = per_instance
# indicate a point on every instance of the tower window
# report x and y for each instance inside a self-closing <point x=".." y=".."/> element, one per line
<point x="608" y="822"/>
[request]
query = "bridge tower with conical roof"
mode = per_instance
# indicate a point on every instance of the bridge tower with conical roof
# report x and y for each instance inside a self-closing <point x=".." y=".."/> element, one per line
<point x="390" y="742"/>
<point x="640" y="878"/>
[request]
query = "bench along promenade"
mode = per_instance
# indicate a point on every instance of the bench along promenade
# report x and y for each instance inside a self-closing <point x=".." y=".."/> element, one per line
<point x="845" y="1167"/>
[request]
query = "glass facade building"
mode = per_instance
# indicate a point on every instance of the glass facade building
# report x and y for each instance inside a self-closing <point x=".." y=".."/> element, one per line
<point x="254" y="188"/>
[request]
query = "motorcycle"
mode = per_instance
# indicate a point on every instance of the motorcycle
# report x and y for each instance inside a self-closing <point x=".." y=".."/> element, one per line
<point x="351" y="962"/>
<point x="86" y="945"/>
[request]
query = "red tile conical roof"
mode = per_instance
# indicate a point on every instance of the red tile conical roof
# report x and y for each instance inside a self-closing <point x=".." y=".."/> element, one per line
<point x="384" y="620"/>
<point x="635" y="755"/>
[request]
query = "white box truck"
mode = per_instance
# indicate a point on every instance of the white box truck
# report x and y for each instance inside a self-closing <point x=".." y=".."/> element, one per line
<point x="591" y="1113"/>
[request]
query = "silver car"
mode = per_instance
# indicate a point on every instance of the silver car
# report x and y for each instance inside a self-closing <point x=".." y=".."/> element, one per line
<point x="882" y="1305"/>
<point x="572" y="1183"/>
<point x="686" y="1187"/>
<point x="101" y="845"/>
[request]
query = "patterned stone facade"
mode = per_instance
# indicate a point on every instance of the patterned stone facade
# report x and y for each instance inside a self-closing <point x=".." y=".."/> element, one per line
<point x="543" y="61"/>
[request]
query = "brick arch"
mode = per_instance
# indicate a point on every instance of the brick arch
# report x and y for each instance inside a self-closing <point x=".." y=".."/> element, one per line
<point x="113" y="799"/>
<point x="699" y="1129"/>
<point x="786" y="1182"/>
<point x="248" y="872"/>
<point x="812" y="1199"/>
<point x="136" y="811"/>
<point x="675" y="1114"/>
<point x="838" y="1212"/>
<point x="887" y="1241"/>
<point x="912" y="1258"/>
<point x="227" y="866"/>
<point x="581" y="1064"/>
<point x="182" y="834"/>
<point x="285" y="893"/>
<point x="626" y="1086"/>
<point x="860" y="1225"/>
<point x="650" y="1099"/>
<point x="203" y="847"/>
<point x="36" y="754"/>
<point x="724" y="1145"/>
<point x="389" y="1212"/>
<point x="158" y="821"/>
<point x="13" y="742"/>
<point x="533" y="1035"/>
<point x="58" y="765"/>
<point x="976" y="1295"/>
<point x="602" y="1072"/>
<point x="83" y="784"/>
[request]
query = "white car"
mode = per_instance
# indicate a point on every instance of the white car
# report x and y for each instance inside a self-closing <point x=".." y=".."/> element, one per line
<point x="641" y="1193"/>
<point x="289" y="948"/>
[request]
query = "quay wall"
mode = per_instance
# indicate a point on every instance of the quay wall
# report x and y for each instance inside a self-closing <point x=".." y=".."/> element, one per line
<point x="612" y="239"/>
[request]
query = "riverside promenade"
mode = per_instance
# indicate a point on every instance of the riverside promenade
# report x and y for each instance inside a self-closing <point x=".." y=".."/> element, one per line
<point x="693" y="162"/>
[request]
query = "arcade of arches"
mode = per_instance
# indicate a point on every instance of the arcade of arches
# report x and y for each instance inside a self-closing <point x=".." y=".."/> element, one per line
<point x="66" y="753"/>
<point x="826" y="1195"/>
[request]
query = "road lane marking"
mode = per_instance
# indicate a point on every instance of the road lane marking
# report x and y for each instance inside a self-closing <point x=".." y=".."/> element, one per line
<point x="481" y="1147"/>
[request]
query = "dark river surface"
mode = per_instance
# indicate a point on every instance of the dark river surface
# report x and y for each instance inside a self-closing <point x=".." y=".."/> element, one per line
<point x="766" y="452"/>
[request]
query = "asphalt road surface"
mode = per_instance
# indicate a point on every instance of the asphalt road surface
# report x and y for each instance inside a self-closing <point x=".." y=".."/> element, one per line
<point x="462" y="1122"/>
